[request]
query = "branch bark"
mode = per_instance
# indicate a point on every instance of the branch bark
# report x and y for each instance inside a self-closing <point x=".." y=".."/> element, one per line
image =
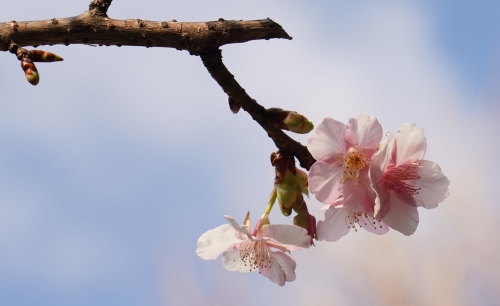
<point x="94" y="27"/>
<point x="213" y="62"/>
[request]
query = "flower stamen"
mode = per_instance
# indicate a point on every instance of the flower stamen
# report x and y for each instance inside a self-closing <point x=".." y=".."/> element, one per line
<point x="395" y="177"/>
<point x="356" y="217"/>
<point x="255" y="254"/>
<point x="354" y="161"/>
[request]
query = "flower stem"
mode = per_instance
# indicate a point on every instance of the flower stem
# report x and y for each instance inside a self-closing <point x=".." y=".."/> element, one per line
<point x="272" y="199"/>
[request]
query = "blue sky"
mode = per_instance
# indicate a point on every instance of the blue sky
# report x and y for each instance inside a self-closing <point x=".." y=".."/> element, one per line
<point x="114" y="165"/>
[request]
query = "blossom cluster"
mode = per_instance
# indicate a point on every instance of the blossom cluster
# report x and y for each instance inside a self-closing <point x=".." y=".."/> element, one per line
<point x="363" y="182"/>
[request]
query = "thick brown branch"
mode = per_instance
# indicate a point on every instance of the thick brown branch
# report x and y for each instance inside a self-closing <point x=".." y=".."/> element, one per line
<point x="213" y="62"/>
<point x="94" y="27"/>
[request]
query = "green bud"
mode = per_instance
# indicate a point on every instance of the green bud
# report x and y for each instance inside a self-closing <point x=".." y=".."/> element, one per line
<point x="302" y="179"/>
<point x="287" y="190"/>
<point x="298" y="123"/>
<point x="288" y="120"/>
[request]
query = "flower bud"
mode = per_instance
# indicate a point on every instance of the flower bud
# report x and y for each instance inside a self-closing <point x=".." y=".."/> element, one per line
<point x="30" y="71"/>
<point x="298" y="123"/>
<point x="288" y="190"/>
<point x="288" y="120"/>
<point x="286" y="211"/>
<point x="302" y="179"/>
<point x="43" y="56"/>
<point x="306" y="221"/>
<point x="290" y="183"/>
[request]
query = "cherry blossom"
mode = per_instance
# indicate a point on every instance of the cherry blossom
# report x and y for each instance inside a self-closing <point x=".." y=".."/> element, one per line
<point x="247" y="252"/>
<point x="403" y="181"/>
<point x="340" y="219"/>
<point x="343" y="154"/>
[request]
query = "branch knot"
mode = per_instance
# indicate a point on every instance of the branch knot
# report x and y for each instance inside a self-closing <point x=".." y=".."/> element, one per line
<point x="100" y="7"/>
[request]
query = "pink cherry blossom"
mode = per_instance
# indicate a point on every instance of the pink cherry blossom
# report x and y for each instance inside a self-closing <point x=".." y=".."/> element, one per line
<point x="343" y="154"/>
<point x="403" y="181"/>
<point x="246" y="252"/>
<point x="340" y="219"/>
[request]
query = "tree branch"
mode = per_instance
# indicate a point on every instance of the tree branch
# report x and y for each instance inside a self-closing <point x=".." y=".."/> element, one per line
<point x="94" y="27"/>
<point x="213" y="62"/>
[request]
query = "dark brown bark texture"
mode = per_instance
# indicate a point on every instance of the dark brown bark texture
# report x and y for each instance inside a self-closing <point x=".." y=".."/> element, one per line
<point x="94" y="27"/>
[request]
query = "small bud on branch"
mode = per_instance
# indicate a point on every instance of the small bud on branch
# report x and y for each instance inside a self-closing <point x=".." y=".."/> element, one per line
<point x="30" y="71"/>
<point x="288" y="120"/>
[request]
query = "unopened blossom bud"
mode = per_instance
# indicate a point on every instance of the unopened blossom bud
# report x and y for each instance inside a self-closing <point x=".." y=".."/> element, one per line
<point x="301" y="177"/>
<point x="306" y="221"/>
<point x="298" y="123"/>
<point x="288" y="120"/>
<point x="290" y="182"/>
<point x="288" y="190"/>
<point x="43" y="56"/>
<point x="286" y="211"/>
<point x="30" y="71"/>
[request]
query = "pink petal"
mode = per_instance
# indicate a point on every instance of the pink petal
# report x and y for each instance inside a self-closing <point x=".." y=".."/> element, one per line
<point x="401" y="215"/>
<point x="287" y="264"/>
<point x="363" y="131"/>
<point x="235" y="225"/>
<point x="290" y="237"/>
<point x="382" y="159"/>
<point x="231" y="259"/>
<point x="433" y="185"/>
<point x="382" y="204"/>
<point x="375" y="227"/>
<point x="212" y="243"/>
<point x="362" y="197"/>
<point x="325" y="181"/>
<point x="328" y="141"/>
<point x="410" y="144"/>
<point x="282" y="269"/>
<point x="334" y="226"/>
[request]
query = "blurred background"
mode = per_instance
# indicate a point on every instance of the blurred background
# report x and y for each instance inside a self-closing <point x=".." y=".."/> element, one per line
<point x="114" y="165"/>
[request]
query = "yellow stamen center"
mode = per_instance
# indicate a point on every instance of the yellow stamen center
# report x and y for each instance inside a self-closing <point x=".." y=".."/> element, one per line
<point x="354" y="161"/>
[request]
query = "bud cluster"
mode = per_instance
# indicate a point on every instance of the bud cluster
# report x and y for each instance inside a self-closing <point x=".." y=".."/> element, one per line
<point x="28" y="57"/>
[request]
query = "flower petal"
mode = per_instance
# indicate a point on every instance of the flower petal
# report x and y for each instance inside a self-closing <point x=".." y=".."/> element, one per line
<point x="382" y="159"/>
<point x="401" y="215"/>
<point x="287" y="264"/>
<point x="362" y="197"/>
<point x="231" y="259"/>
<point x="282" y="268"/>
<point x="335" y="224"/>
<point x="410" y="144"/>
<point x="291" y="237"/>
<point x="375" y="226"/>
<point x="328" y="141"/>
<point x="382" y="204"/>
<point x="433" y="185"/>
<point x="363" y="131"/>
<point x="325" y="181"/>
<point x="236" y="226"/>
<point x="212" y="243"/>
